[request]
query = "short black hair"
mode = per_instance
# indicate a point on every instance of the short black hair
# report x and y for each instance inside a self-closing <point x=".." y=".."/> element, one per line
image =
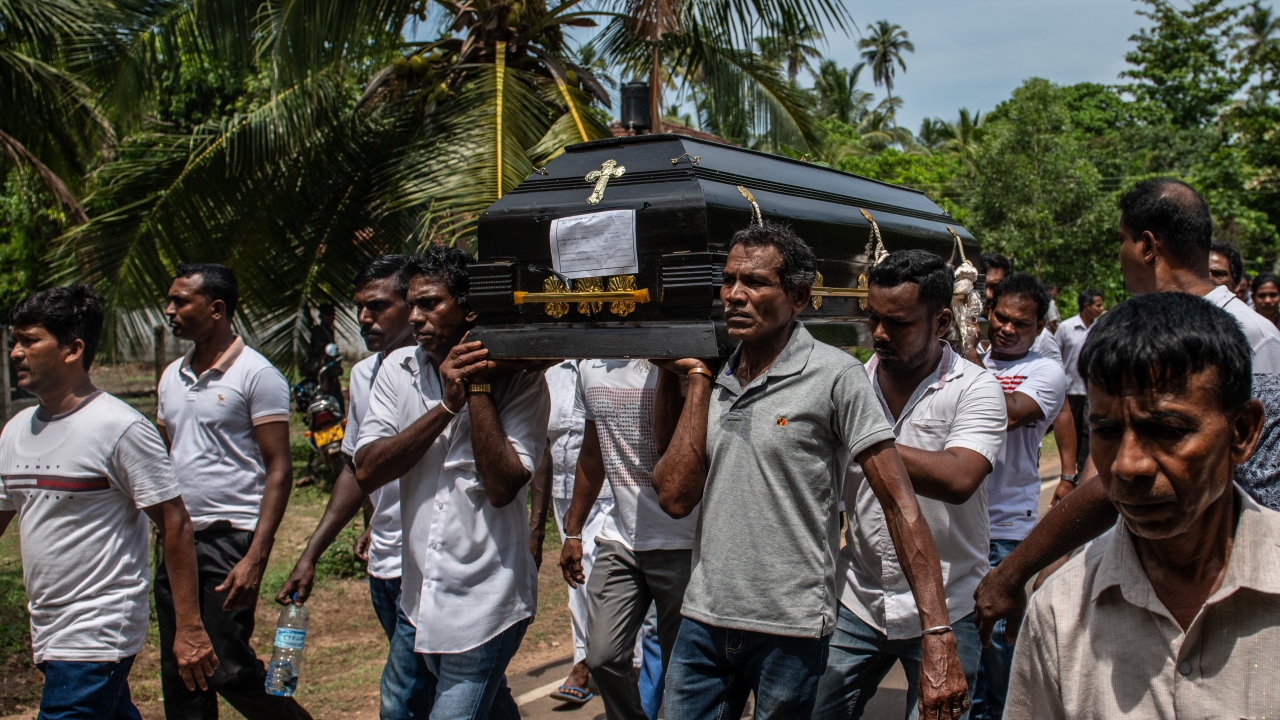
<point x="1234" y="262"/>
<point x="1023" y="285"/>
<point x="68" y="313"/>
<point x="921" y="267"/>
<point x="996" y="260"/>
<point x="217" y="282"/>
<point x="1050" y="285"/>
<point x="438" y="262"/>
<point x="380" y="268"/>
<point x="1157" y="341"/>
<point x="798" y="261"/>
<point x="1086" y="296"/>
<point x="1264" y="278"/>
<point x="1174" y="213"/>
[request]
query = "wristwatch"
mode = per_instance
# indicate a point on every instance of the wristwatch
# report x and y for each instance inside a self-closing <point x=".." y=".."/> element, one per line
<point x="480" y="388"/>
<point x="1073" y="479"/>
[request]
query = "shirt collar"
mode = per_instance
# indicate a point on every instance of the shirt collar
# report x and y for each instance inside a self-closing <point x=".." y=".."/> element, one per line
<point x="792" y="360"/>
<point x="948" y="368"/>
<point x="224" y="361"/>
<point x="1220" y="296"/>
<point x="1255" y="555"/>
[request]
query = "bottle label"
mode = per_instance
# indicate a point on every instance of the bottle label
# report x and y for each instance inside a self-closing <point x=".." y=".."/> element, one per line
<point x="290" y="639"/>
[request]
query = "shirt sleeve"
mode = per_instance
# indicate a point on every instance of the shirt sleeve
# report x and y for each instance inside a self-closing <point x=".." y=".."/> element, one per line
<point x="164" y="375"/>
<point x="1046" y="383"/>
<point x="523" y="412"/>
<point x="580" y="398"/>
<point x="859" y="418"/>
<point x="1034" y="690"/>
<point x="352" y="431"/>
<point x="980" y="425"/>
<point x="268" y="397"/>
<point x="141" y="468"/>
<point x="380" y="417"/>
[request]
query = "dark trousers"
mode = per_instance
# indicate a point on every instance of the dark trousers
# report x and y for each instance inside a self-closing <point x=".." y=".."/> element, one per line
<point x="241" y="676"/>
<point x="1080" y="414"/>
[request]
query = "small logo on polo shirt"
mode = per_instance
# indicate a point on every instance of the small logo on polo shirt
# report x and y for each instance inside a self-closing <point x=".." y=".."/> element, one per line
<point x="221" y="399"/>
<point x="782" y="422"/>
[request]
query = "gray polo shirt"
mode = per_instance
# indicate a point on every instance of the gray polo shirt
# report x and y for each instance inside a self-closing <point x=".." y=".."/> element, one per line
<point x="764" y="558"/>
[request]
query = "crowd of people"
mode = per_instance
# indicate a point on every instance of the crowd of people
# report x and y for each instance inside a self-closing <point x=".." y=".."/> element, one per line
<point x="783" y="525"/>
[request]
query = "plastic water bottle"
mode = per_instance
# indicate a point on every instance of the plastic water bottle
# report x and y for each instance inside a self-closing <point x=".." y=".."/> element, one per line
<point x="286" y="659"/>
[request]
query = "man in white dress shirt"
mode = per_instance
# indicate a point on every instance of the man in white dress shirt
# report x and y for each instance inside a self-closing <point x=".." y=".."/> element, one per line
<point x="1070" y="339"/>
<point x="949" y="418"/>
<point x="464" y="443"/>
<point x="384" y="324"/>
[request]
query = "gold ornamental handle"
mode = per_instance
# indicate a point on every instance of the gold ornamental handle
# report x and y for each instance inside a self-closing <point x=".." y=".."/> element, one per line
<point x="636" y="296"/>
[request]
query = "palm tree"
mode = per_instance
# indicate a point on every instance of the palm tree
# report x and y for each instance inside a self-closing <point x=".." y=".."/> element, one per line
<point x="794" y="43"/>
<point x="1257" y="39"/>
<point x="48" y="119"/>
<point x="965" y="135"/>
<point x="838" y="94"/>
<point x="882" y="49"/>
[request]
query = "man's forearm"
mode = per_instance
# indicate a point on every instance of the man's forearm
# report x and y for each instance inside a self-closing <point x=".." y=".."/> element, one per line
<point x="909" y="531"/>
<point x="667" y="407"/>
<point x="1081" y="516"/>
<point x="586" y="489"/>
<point x="1064" y="433"/>
<point x="180" y="563"/>
<point x="497" y="463"/>
<point x="681" y="474"/>
<point x="540" y="492"/>
<point x="275" y="498"/>
<point x="344" y="502"/>
<point x="388" y="458"/>
<point x="941" y="475"/>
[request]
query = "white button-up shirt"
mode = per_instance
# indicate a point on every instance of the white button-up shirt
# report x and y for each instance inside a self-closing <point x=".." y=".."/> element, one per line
<point x="1071" y="336"/>
<point x="960" y="405"/>
<point x="467" y="573"/>
<point x="565" y="430"/>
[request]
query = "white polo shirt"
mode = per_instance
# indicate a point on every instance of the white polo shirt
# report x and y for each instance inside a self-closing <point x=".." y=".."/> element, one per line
<point x="384" y="525"/>
<point x="1047" y="346"/>
<point x="210" y="421"/>
<point x="960" y="405"/>
<point x="1013" y="488"/>
<point x="468" y="574"/>
<point x="617" y="395"/>
<point x="1070" y="338"/>
<point x="78" y="482"/>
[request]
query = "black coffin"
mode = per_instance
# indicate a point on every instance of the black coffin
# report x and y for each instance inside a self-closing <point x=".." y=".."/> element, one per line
<point x="681" y="199"/>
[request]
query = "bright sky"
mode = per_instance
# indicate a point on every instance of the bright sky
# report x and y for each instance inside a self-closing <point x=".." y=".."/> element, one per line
<point x="974" y="53"/>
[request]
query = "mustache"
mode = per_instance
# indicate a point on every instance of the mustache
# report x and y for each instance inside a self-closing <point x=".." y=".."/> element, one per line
<point x="369" y="332"/>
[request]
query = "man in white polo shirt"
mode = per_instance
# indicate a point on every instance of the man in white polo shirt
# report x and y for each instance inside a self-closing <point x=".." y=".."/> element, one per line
<point x="949" y="418"/>
<point x="223" y="409"/>
<point x="644" y="554"/>
<point x="384" y="324"/>
<point x="1070" y="339"/>
<point x="464" y="444"/>
<point x="82" y="471"/>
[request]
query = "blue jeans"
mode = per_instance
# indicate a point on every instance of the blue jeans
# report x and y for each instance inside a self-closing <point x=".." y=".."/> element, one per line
<point x="862" y="656"/>
<point x="404" y="678"/>
<point x="714" y="669"/>
<point x="86" y="691"/>
<point x="993" y="677"/>
<point x="652" y="682"/>
<point x="472" y="685"/>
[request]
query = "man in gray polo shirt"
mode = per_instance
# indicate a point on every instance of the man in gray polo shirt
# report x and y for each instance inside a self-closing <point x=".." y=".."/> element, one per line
<point x="762" y="445"/>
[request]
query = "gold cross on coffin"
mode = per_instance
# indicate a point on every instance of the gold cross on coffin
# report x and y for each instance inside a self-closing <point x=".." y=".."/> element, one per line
<point x="609" y="170"/>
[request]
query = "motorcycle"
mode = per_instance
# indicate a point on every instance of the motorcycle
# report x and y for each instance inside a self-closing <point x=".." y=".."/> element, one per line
<point x="321" y="404"/>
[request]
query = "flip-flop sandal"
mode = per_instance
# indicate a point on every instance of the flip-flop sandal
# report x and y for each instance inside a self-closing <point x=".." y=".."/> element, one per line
<point x="570" y="694"/>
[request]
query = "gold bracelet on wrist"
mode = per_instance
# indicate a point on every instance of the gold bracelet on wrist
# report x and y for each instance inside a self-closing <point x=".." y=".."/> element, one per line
<point x="699" y="370"/>
<point x="480" y="388"/>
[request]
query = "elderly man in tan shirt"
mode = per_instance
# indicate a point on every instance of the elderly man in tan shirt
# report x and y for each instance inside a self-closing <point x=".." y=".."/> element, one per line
<point x="1175" y="612"/>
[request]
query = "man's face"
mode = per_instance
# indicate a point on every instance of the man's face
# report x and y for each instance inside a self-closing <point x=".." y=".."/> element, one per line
<point x="438" y="322"/>
<point x="1013" y="326"/>
<point x="327" y="317"/>
<point x="1093" y="310"/>
<point x="383" y="315"/>
<point x="755" y="306"/>
<point x="1139" y="276"/>
<point x="1267" y="300"/>
<point x="1165" y="456"/>
<point x="191" y="314"/>
<point x="994" y="276"/>
<point x="1219" y="270"/>
<point x="903" y="331"/>
<point x="41" y="363"/>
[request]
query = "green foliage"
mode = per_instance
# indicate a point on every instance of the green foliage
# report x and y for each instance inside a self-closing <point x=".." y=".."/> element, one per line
<point x="30" y="219"/>
<point x="339" y="560"/>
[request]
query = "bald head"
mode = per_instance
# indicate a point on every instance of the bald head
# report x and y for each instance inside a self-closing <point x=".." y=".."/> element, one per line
<point x="1175" y="214"/>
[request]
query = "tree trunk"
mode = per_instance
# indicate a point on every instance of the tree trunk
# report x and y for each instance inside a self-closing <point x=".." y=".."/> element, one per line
<point x="655" y="92"/>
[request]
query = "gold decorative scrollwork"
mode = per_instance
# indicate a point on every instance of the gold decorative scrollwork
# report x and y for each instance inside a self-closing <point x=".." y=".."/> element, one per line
<point x="553" y="284"/>
<point x="816" y="300"/>
<point x="584" y="285"/>
<point x="619" y="283"/>
<point x="862" y="285"/>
